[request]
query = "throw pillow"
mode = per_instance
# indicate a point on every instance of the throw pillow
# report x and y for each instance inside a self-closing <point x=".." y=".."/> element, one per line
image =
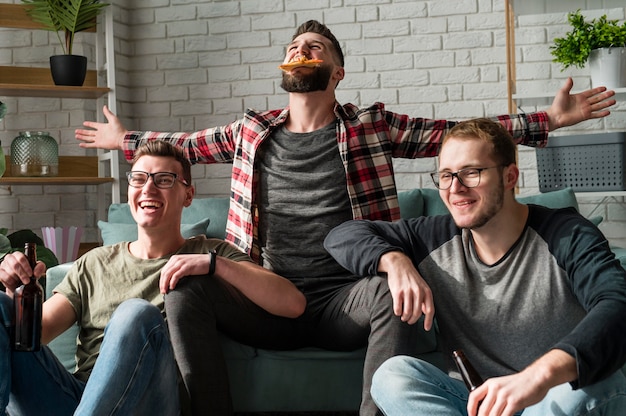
<point x="411" y="203"/>
<point x="216" y="209"/>
<point x="556" y="199"/>
<point x="117" y="232"/>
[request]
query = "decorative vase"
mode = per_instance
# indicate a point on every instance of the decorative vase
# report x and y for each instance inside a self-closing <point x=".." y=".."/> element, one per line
<point x="68" y="70"/>
<point x="608" y="67"/>
<point x="34" y="154"/>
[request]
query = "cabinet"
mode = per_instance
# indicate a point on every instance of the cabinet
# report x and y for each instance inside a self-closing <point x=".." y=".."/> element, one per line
<point x="542" y="98"/>
<point x="99" y="85"/>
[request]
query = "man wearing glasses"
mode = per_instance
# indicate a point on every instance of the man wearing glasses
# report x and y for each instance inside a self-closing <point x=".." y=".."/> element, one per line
<point x="533" y="296"/>
<point x="125" y="362"/>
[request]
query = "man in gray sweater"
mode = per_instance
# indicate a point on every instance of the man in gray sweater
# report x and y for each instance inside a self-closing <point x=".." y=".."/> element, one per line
<point x="534" y="296"/>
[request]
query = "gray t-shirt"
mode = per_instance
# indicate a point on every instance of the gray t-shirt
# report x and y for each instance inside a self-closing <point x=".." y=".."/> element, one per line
<point x="303" y="195"/>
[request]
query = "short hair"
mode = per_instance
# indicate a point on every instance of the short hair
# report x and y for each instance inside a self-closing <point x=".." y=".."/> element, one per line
<point x="164" y="149"/>
<point x="503" y="148"/>
<point x="313" y="26"/>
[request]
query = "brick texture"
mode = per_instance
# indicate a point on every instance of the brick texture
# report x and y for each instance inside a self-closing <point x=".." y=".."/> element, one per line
<point x="191" y="64"/>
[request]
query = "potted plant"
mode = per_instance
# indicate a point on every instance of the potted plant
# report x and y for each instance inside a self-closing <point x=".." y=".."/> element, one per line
<point x="67" y="17"/>
<point x="601" y="41"/>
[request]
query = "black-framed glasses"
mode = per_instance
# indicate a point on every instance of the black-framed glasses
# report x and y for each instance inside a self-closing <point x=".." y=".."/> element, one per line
<point x="163" y="180"/>
<point x="468" y="177"/>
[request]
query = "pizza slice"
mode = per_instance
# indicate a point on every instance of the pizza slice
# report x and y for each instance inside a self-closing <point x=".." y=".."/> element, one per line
<point x="302" y="61"/>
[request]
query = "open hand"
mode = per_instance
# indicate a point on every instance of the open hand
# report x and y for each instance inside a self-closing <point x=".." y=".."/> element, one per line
<point x="568" y="109"/>
<point x="102" y="135"/>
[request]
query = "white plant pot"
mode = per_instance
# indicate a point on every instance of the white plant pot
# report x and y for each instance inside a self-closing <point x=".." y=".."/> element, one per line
<point x="608" y="67"/>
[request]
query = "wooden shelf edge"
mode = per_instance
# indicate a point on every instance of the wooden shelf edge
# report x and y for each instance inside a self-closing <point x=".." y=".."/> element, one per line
<point x="47" y="91"/>
<point x="37" y="82"/>
<point x="53" y="180"/>
<point x="73" y="170"/>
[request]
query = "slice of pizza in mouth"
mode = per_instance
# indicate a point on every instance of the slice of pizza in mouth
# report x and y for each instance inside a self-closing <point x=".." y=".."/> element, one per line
<point x="302" y="61"/>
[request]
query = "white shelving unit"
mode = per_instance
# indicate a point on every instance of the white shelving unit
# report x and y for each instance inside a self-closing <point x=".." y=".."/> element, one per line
<point x="516" y="8"/>
<point x="99" y="85"/>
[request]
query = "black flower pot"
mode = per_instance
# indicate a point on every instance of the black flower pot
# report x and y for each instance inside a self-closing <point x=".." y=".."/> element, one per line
<point x="68" y="69"/>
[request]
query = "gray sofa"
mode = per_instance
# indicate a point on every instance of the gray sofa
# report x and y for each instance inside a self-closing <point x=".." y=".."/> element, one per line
<point x="308" y="379"/>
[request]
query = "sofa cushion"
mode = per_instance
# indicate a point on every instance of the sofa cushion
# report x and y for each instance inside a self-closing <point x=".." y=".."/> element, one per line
<point x="556" y="199"/>
<point x="113" y="232"/>
<point x="216" y="209"/>
<point x="411" y="203"/>
<point x="63" y="346"/>
<point x="433" y="205"/>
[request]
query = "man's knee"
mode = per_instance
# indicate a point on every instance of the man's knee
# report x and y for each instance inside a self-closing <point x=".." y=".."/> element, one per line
<point x="134" y="316"/>
<point x="391" y="375"/>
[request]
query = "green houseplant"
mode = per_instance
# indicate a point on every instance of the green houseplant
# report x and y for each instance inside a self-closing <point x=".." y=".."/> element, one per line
<point x="589" y="41"/>
<point x="66" y="17"/>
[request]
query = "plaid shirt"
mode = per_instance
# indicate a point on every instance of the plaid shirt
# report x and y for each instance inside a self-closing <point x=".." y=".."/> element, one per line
<point x="368" y="139"/>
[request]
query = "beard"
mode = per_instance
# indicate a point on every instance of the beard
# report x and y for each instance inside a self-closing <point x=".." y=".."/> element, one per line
<point x="494" y="206"/>
<point x="490" y="211"/>
<point x="316" y="80"/>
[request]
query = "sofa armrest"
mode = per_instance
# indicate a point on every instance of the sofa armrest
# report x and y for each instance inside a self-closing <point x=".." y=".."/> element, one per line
<point x="63" y="346"/>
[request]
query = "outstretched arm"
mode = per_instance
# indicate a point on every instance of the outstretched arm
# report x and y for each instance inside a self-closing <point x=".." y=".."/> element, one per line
<point x="569" y="109"/>
<point x="102" y="135"/>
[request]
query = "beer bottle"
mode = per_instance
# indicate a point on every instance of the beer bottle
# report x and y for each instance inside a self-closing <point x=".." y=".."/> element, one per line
<point x="28" y="301"/>
<point x="468" y="372"/>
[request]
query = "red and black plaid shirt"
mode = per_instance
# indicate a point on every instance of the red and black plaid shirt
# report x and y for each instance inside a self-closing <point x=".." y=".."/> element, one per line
<point x="367" y="138"/>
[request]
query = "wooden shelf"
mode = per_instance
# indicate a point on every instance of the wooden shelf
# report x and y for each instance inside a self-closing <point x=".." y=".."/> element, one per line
<point x="37" y="82"/>
<point x="17" y="81"/>
<point x="73" y="170"/>
<point x="52" y="180"/>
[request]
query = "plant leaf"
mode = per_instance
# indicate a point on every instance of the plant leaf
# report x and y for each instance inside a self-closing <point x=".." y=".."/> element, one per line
<point x="69" y="16"/>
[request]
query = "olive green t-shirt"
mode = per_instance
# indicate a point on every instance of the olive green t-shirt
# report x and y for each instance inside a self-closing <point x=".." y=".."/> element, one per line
<point x="104" y="277"/>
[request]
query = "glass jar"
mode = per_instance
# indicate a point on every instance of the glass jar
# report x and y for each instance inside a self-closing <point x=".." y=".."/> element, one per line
<point x="34" y="154"/>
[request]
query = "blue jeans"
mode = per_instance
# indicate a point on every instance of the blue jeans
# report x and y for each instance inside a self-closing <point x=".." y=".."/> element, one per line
<point x="409" y="386"/>
<point x="135" y="372"/>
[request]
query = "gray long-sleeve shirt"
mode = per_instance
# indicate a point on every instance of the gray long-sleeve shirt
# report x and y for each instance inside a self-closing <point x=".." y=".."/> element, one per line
<point x="559" y="286"/>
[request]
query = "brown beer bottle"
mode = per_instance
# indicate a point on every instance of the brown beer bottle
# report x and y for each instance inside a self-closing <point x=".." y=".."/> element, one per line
<point x="470" y="376"/>
<point x="28" y="301"/>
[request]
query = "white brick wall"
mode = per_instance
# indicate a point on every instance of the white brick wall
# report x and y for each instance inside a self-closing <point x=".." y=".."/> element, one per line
<point x="191" y="64"/>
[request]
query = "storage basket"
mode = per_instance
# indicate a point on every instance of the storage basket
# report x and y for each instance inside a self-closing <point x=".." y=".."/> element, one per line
<point x="588" y="162"/>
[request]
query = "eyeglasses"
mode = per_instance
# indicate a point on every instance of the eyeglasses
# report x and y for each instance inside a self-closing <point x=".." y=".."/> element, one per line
<point x="468" y="177"/>
<point x="162" y="180"/>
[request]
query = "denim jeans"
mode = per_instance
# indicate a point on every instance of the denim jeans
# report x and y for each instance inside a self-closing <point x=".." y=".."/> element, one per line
<point x="135" y="372"/>
<point x="409" y="386"/>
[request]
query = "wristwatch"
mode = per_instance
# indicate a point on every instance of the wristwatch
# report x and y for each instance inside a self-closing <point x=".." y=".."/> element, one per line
<point x="212" y="258"/>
